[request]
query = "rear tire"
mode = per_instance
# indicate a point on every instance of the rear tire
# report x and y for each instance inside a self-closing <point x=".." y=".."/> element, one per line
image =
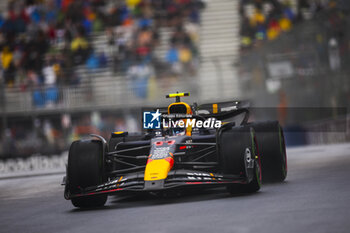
<point x="86" y="168"/>
<point x="272" y="149"/>
<point x="233" y="147"/>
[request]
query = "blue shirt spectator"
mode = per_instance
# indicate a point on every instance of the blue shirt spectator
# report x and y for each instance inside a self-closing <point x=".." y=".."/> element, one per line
<point x="51" y="95"/>
<point x="92" y="62"/>
<point x="144" y="23"/>
<point x="172" y="55"/>
<point x="38" y="98"/>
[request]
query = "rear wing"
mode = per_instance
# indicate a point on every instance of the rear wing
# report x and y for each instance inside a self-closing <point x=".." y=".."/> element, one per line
<point x="224" y="110"/>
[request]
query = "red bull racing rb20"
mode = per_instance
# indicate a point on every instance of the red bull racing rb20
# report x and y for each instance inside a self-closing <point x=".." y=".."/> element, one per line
<point x="238" y="156"/>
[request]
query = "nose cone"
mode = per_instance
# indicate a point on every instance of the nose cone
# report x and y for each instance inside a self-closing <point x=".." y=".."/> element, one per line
<point x="158" y="169"/>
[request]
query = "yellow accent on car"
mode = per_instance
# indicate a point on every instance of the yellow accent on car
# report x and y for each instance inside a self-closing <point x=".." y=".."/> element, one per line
<point x="118" y="132"/>
<point x="212" y="175"/>
<point x="119" y="181"/>
<point x="173" y="95"/>
<point x="157" y="170"/>
<point x="215" y="108"/>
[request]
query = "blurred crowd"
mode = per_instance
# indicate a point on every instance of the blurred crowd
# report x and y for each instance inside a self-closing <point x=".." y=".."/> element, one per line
<point x="133" y="40"/>
<point x="53" y="134"/>
<point x="268" y="19"/>
<point x="42" y="41"/>
<point x="43" y="44"/>
<point x="307" y="66"/>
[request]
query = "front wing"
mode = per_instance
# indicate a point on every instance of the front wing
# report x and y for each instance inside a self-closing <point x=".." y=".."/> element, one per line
<point x="176" y="179"/>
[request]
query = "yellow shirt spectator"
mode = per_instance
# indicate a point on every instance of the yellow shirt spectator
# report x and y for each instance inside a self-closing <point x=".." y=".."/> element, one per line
<point x="91" y="16"/>
<point x="285" y="24"/>
<point x="56" y="68"/>
<point x="272" y="33"/>
<point x="246" y="41"/>
<point x="6" y="58"/>
<point x="79" y="42"/>
<point x="132" y="3"/>
<point x="258" y="17"/>
<point x="185" y="55"/>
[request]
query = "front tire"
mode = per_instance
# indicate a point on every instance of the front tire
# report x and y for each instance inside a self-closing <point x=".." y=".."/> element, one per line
<point x="251" y="187"/>
<point x="234" y="146"/>
<point x="86" y="168"/>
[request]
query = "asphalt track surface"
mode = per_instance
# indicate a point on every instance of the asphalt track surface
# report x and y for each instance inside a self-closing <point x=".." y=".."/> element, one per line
<point x="314" y="198"/>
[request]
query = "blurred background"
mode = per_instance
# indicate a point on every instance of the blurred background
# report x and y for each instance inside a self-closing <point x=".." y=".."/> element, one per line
<point x="71" y="68"/>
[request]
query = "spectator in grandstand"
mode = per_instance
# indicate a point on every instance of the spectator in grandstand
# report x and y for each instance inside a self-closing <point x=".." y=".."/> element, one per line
<point x="34" y="51"/>
<point x="180" y="37"/>
<point x="49" y="74"/>
<point x="273" y="30"/>
<point x="247" y="33"/>
<point x="192" y="30"/>
<point x="38" y="98"/>
<point x="79" y="48"/>
<point x="51" y="96"/>
<point x="139" y="75"/>
<point x="260" y="33"/>
<point x="92" y="62"/>
<point x="172" y="55"/>
<point x="7" y="65"/>
<point x="257" y="18"/>
<point x="185" y="56"/>
<point x="285" y="23"/>
<point x="32" y="78"/>
<point x="303" y="6"/>
<point x="182" y="49"/>
<point x="334" y="58"/>
<point x="287" y="11"/>
<point x="17" y="57"/>
<point x="102" y="60"/>
<point x="144" y="37"/>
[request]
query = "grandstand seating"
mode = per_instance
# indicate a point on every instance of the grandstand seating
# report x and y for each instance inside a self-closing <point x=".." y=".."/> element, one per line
<point x="219" y="49"/>
<point x="217" y="76"/>
<point x="104" y="83"/>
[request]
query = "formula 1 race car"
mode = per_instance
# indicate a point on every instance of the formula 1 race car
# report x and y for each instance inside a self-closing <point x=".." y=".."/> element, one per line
<point x="238" y="156"/>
